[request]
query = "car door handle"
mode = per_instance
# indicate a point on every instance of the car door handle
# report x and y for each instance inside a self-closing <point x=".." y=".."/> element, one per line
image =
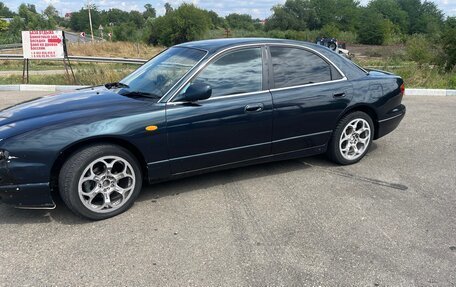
<point x="255" y="108"/>
<point x="339" y="95"/>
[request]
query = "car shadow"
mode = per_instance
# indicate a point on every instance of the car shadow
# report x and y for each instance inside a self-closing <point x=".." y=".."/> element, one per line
<point x="62" y="215"/>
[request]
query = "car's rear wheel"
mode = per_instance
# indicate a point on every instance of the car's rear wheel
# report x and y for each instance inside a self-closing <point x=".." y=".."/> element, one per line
<point x="351" y="139"/>
<point x="100" y="181"/>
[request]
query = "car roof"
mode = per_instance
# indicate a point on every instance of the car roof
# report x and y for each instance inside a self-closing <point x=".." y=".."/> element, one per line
<point x="214" y="45"/>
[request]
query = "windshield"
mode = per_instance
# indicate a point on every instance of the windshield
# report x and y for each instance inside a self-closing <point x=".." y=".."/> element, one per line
<point x="158" y="75"/>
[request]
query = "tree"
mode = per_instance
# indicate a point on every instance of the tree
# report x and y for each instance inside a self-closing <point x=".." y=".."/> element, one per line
<point x="391" y="10"/>
<point x="135" y="17"/>
<point x="431" y="20"/>
<point x="32" y="8"/>
<point x="50" y="12"/>
<point x="293" y="15"/>
<point x="80" y="20"/>
<point x="5" y="12"/>
<point x="422" y="17"/>
<point x="448" y="42"/>
<point x="32" y="20"/>
<point x="240" y="21"/>
<point x="374" y="30"/>
<point x="126" y="32"/>
<point x="114" y="16"/>
<point x="150" y="12"/>
<point x="168" y="8"/>
<point x="216" y="20"/>
<point x="343" y="13"/>
<point x="186" y="23"/>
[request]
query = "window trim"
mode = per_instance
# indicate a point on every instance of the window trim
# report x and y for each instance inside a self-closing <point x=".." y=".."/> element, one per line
<point x="331" y="65"/>
<point x="268" y="59"/>
<point x="219" y="55"/>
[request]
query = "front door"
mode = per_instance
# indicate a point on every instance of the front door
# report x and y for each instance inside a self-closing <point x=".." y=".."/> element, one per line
<point x="233" y="125"/>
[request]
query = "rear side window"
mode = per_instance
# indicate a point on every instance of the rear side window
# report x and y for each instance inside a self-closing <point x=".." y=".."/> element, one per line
<point x="295" y="67"/>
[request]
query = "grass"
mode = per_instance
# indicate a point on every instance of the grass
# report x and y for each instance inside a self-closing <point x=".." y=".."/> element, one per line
<point x="114" y="49"/>
<point x="58" y="65"/>
<point x="89" y="77"/>
<point x="425" y="77"/>
<point x="394" y="59"/>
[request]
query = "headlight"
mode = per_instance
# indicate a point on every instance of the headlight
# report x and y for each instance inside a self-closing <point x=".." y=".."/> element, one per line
<point x="3" y="154"/>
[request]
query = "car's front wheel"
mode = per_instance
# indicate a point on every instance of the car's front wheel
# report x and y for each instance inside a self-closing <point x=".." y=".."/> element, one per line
<point x="351" y="139"/>
<point x="100" y="181"/>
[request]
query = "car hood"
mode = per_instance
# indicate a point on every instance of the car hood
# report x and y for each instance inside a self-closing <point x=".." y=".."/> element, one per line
<point x="90" y="104"/>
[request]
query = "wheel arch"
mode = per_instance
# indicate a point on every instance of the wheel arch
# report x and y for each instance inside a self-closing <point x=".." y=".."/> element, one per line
<point x="366" y="109"/>
<point x="66" y="152"/>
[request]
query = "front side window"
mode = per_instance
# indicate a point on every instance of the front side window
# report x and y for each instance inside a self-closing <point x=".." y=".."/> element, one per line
<point x="295" y="67"/>
<point x="158" y="75"/>
<point x="234" y="73"/>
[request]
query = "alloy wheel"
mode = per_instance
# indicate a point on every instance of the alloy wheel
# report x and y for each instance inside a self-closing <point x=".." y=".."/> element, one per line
<point x="355" y="139"/>
<point x="106" y="184"/>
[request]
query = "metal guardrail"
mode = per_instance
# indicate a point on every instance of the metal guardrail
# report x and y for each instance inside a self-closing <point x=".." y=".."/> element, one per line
<point x="82" y="59"/>
<point x="10" y="46"/>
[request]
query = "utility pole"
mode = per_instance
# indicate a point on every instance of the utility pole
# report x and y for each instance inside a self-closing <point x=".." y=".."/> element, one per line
<point x="90" y="20"/>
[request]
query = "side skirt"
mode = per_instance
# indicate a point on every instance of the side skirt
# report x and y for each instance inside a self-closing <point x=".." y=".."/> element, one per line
<point x="270" y="158"/>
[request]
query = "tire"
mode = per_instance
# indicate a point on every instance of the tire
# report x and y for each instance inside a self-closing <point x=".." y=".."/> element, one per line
<point x="100" y="181"/>
<point x="351" y="139"/>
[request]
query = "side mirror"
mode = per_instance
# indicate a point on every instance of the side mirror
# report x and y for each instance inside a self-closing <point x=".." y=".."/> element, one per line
<point x="197" y="92"/>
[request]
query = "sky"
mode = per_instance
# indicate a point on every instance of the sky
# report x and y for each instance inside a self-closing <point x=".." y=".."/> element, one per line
<point x="258" y="9"/>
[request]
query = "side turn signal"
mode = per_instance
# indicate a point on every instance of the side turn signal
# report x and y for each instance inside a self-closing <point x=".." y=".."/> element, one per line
<point x="151" y="128"/>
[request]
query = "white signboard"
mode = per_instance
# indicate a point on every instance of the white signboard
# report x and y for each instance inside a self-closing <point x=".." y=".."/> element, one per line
<point x="42" y="44"/>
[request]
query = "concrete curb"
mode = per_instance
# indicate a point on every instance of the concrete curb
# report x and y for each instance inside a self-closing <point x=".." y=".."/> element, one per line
<point x="39" y="88"/>
<point x="56" y="88"/>
<point x="430" y="92"/>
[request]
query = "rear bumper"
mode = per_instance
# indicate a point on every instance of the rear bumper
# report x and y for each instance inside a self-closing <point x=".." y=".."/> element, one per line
<point x="36" y="195"/>
<point x="389" y="124"/>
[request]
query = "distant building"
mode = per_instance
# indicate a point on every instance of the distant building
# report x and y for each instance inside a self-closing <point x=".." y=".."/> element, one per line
<point x="68" y="16"/>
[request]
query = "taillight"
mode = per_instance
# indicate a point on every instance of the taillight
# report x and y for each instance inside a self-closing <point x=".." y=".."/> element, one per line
<point x="402" y="88"/>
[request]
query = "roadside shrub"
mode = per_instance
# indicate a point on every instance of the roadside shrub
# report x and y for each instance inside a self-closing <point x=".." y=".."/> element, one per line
<point x="330" y="30"/>
<point x="419" y="50"/>
<point x="186" y="23"/>
<point x="126" y="32"/>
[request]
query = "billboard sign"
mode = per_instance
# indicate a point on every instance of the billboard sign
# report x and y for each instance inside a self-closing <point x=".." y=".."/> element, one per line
<point x="43" y="44"/>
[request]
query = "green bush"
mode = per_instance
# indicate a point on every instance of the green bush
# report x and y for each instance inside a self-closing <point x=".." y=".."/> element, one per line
<point x="186" y="23"/>
<point x="240" y="21"/>
<point x="419" y="50"/>
<point x="126" y="32"/>
<point x="330" y="30"/>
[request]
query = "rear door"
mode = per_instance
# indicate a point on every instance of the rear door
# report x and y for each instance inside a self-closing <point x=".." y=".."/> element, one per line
<point x="233" y="125"/>
<point x="309" y="94"/>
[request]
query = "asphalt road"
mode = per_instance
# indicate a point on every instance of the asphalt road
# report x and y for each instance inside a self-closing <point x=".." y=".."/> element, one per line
<point x="386" y="221"/>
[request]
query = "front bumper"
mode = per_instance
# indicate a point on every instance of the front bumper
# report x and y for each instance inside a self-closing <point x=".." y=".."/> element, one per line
<point x="389" y="124"/>
<point x="36" y="195"/>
